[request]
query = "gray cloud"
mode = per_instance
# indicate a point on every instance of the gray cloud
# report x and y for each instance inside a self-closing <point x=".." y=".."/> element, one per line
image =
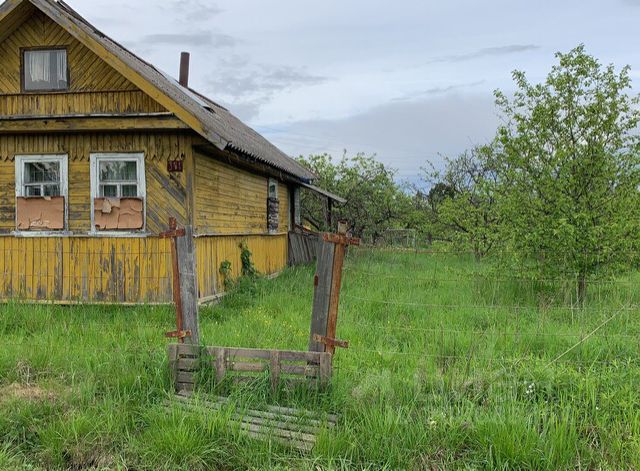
<point x="487" y="52"/>
<point x="260" y="79"/>
<point x="249" y="86"/>
<point x="195" y="39"/>
<point x="412" y="96"/>
<point x="246" y="110"/>
<point x="404" y="135"/>
<point x="195" y="10"/>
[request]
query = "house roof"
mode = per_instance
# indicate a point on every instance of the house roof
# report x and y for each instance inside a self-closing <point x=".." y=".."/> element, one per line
<point x="212" y="121"/>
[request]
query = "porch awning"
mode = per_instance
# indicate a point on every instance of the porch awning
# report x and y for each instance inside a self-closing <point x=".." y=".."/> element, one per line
<point x="325" y="193"/>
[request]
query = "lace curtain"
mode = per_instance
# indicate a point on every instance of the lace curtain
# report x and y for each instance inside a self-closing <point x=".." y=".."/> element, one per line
<point x="40" y="70"/>
<point x="40" y="66"/>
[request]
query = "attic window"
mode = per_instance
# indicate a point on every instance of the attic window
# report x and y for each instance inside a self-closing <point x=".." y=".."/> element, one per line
<point x="45" y="70"/>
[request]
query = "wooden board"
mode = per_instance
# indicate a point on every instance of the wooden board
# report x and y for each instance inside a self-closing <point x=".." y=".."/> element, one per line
<point x="303" y="248"/>
<point x="242" y="363"/>
<point x="297" y="428"/>
<point x="321" y="294"/>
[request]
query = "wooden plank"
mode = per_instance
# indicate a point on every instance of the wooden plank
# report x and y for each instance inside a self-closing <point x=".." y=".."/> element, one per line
<point x="274" y="369"/>
<point x="188" y="364"/>
<point x="172" y="353"/>
<point x="257" y="353"/>
<point x="188" y="284"/>
<point x="304" y="370"/>
<point x="249" y="416"/>
<point x="63" y="124"/>
<point x="221" y="363"/>
<point x="321" y="294"/>
<point x="326" y="369"/>
<point x="246" y="366"/>
<point x="304" y="419"/>
<point x="336" y="283"/>
<point x="188" y="350"/>
<point x="185" y="377"/>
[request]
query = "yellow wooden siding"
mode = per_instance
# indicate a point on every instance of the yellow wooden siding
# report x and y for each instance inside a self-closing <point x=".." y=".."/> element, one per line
<point x="128" y="101"/>
<point x="121" y="269"/>
<point x="228" y="200"/>
<point x="269" y="255"/>
<point x="87" y="73"/>
<point x="85" y="269"/>
<point x="166" y="194"/>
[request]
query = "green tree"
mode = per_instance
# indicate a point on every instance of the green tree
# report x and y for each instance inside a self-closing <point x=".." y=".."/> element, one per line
<point x="463" y="200"/>
<point x="375" y="202"/>
<point x="570" y="170"/>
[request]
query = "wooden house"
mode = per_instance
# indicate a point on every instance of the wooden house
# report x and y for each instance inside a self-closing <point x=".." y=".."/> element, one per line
<point x="98" y="149"/>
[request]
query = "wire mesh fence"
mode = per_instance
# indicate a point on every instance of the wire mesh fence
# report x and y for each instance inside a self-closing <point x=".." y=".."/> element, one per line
<point x="445" y="309"/>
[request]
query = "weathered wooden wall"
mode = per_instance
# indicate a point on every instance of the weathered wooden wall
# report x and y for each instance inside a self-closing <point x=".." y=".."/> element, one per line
<point x="303" y="247"/>
<point x="269" y="255"/>
<point x="166" y="193"/>
<point x="85" y="269"/>
<point x="120" y="269"/>
<point x="94" y="87"/>
<point x="229" y="200"/>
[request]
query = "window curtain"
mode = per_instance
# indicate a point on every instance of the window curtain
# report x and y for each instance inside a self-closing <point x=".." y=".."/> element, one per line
<point x="62" y="65"/>
<point x="40" y="66"/>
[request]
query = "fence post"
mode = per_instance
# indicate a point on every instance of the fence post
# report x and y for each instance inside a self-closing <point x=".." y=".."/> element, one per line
<point x="321" y="293"/>
<point x="326" y="296"/>
<point x="185" y="284"/>
<point x="189" y="284"/>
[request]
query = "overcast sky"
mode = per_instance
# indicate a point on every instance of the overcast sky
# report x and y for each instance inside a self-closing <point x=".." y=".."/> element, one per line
<point x="408" y="80"/>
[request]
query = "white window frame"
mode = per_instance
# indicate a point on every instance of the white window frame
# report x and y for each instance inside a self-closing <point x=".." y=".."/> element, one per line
<point x="63" y="161"/>
<point x="138" y="157"/>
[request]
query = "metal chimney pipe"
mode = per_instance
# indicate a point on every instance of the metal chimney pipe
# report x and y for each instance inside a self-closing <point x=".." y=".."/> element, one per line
<point x="184" y="69"/>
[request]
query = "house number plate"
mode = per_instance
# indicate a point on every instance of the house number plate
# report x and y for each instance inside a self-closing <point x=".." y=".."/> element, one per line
<point x="175" y="165"/>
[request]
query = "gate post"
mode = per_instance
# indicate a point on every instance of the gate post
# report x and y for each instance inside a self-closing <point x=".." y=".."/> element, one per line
<point x="327" y="285"/>
<point x="185" y="283"/>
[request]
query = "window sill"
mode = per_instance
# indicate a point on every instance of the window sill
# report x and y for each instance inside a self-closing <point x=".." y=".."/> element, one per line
<point x="41" y="233"/>
<point x="118" y="234"/>
<point x="137" y="234"/>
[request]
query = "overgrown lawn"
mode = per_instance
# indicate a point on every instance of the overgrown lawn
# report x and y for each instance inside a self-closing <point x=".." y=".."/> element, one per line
<point x="451" y="365"/>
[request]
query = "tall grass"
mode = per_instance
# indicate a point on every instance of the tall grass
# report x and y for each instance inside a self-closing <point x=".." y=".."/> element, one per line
<point x="450" y="366"/>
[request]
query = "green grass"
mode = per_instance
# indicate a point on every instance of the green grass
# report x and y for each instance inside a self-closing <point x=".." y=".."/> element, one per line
<point x="450" y="366"/>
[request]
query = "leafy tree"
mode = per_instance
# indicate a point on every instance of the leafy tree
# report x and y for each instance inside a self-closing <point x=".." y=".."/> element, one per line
<point x="570" y="170"/>
<point x="375" y="202"/>
<point x="463" y="202"/>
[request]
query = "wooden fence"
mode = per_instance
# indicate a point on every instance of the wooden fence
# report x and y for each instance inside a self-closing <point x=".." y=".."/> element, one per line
<point x="246" y="364"/>
<point x="303" y="247"/>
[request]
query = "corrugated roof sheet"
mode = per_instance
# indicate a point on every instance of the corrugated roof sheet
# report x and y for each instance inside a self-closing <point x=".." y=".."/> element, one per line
<point x="328" y="194"/>
<point x="220" y="126"/>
